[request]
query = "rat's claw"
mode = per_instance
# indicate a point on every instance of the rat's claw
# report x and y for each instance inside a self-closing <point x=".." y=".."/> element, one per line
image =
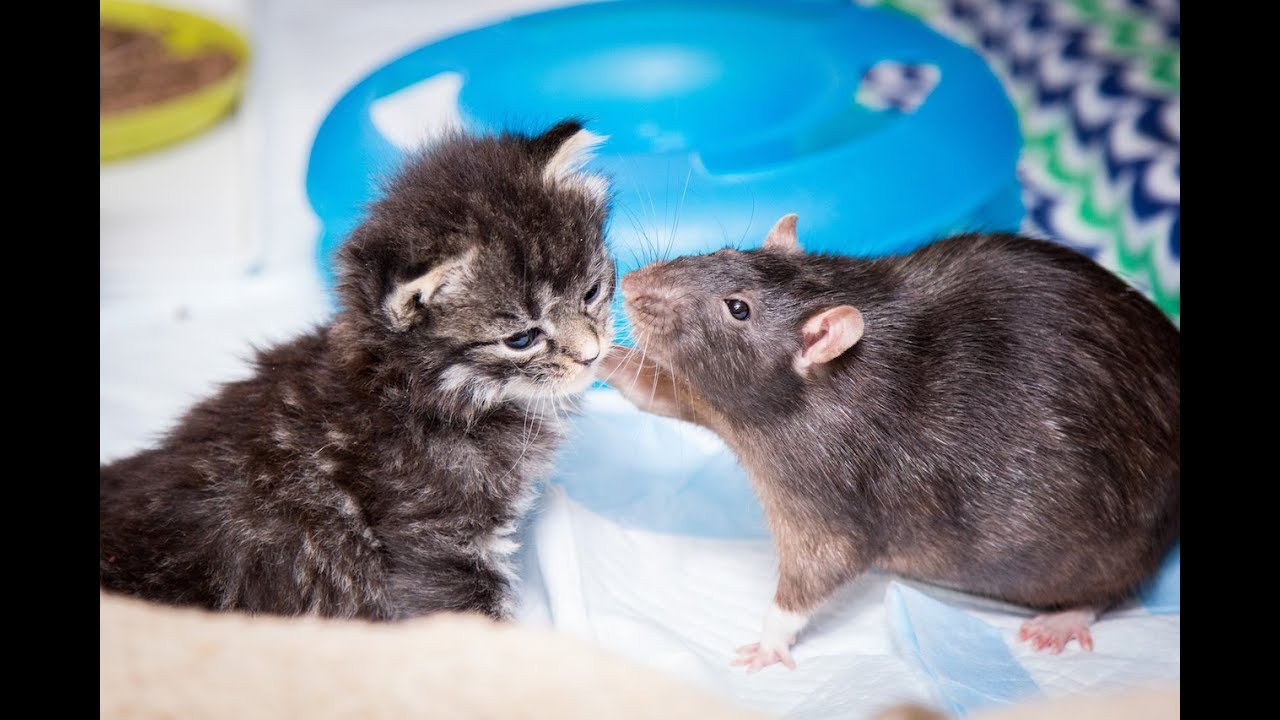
<point x="1085" y="639"/>
<point x="756" y="658"/>
<point x="746" y="654"/>
<point x="1054" y="631"/>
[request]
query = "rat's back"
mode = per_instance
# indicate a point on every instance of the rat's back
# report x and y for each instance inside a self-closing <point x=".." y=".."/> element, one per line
<point x="1030" y="317"/>
<point x="1044" y="394"/>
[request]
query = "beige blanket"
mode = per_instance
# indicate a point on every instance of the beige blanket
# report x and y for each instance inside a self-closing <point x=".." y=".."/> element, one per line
<point x="159" y="662"/>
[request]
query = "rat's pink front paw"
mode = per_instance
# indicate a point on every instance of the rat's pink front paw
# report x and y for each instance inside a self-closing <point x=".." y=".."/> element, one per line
<point x="1054" y="630"/>
<point x="755" y="657"/>
<point x="615" y="360"/>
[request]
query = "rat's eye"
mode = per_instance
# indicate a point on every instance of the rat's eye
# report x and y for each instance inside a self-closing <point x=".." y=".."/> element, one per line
<point x="592" y="293"/>
<point x="738" y="309"/>
<point x="522" y="340"/>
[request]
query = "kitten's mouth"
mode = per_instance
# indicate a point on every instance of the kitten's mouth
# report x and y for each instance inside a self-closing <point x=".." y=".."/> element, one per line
<point x="581" y="381"/>
<point x="572" y="380"/>
<point x="547" y="388"/>
<point x="576" y="379"/>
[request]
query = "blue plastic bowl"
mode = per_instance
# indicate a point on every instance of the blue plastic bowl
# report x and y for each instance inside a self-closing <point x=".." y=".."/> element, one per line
<point x="722" y="117"/>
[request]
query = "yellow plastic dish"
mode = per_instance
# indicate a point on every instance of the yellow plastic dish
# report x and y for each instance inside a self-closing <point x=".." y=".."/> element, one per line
<point x="134" y="131"/>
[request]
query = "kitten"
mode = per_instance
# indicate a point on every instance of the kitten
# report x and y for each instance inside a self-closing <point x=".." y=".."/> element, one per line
<point x="376" y="467"/>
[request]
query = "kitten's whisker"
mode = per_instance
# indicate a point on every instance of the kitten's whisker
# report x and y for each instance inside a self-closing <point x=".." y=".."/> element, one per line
<point x="526" y="425"/>
<point x="561" y="408"/>
<point x="529" y="435"/>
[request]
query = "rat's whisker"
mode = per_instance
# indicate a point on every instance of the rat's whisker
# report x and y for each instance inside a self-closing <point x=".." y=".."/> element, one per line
<point x="679" y="210"/>
<point x="636" y="249"/>
<point x="747" y="228"/>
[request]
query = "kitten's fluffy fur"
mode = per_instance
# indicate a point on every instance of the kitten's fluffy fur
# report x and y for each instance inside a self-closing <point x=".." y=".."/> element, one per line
<point x="376" y="467"/>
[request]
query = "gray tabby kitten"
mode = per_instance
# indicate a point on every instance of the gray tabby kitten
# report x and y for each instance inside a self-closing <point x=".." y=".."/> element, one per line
<point x="376" y="467"/>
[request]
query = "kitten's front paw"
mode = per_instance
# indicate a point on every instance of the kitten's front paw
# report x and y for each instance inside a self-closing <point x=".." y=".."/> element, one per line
<point x="759" y="655"/>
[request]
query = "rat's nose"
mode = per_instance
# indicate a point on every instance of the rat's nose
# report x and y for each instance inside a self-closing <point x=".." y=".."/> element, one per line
<point x="642" y="282"/>
<point x="632" y="283"/>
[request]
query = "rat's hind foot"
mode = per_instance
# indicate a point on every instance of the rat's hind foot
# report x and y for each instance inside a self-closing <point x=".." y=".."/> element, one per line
<point x="756" y="657"/>
<point x="1055" y="630"/>
<point x="779" y="634"/>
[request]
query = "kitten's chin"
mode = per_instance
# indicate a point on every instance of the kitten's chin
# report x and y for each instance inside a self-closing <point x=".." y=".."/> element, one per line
<point x="579" y="383"/>
<point x="527" y="391"/>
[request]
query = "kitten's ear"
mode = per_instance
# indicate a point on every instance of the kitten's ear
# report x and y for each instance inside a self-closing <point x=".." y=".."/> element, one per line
<point x="782" y="238"/>
<point x="567" y="147"/>
<point x="406" y="296"/>
<point x="827" y="334"/>
<point x="545" y="145"/>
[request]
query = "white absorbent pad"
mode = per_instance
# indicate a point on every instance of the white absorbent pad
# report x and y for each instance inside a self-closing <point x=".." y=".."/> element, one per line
<point x="650" y="542"/>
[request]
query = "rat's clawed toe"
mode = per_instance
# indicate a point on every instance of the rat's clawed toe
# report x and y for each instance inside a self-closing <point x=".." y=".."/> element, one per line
<point x="755" y="657"/>
<point x="1054" y="631"/>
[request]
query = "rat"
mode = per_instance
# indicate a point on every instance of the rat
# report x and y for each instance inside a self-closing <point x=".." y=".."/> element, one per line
<point x="376" y="467"/>
<point x="990" y="413"/>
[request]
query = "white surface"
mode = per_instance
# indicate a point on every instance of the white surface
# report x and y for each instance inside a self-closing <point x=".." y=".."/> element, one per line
<point x="682" y="603"/>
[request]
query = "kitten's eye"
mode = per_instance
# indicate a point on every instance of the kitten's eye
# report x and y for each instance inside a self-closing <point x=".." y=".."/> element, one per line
<point x="738" y="309"/>
<point x="591" y="294"/>
<point x="522" y="340"/>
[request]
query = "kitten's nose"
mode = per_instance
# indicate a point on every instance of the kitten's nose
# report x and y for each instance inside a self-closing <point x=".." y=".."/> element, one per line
<point x="589" y="352"/>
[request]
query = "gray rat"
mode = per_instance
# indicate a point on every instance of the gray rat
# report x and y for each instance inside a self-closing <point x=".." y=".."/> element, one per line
<point x="991" y="413"/>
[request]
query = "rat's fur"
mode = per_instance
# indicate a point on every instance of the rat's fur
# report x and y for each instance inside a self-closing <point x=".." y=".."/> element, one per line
<point x="1007" y="424"/>
<point x="376" y="467"/>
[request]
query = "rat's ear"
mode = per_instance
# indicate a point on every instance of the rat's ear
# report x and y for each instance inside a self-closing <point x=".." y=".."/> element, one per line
<point x="567" y="147"/>
<point x="782" y="238"/>
<point x="401" y="304"/>
<point x="827" y="334"/>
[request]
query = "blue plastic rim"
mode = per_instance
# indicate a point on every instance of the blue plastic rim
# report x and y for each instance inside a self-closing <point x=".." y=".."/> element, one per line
<point x="722" y="117"/>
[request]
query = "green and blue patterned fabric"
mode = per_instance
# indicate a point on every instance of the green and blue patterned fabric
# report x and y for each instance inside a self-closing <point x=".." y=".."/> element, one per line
<point x="1096" y="84"/>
